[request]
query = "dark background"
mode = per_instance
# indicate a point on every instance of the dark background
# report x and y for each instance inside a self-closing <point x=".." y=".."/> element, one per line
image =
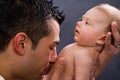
<point x="73" y="10"/>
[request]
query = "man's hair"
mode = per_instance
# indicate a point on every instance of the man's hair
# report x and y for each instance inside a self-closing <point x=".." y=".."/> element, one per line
<point x="28" y="16"/>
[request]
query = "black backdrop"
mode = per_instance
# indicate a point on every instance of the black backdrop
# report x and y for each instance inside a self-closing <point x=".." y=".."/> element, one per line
<point x="73" y="10"/>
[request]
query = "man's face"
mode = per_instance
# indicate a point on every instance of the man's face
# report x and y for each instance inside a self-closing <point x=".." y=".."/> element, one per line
<point x="44" y="53"/>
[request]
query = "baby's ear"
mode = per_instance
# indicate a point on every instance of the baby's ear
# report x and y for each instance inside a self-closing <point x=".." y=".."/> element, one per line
<point x="101" y="40"/>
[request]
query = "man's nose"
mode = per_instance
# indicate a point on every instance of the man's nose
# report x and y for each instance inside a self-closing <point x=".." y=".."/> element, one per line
<point x="53" y="56"/>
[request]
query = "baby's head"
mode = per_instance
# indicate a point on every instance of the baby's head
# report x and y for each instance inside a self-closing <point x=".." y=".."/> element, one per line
<point x="111" y="12"/>
<point x="95" y="24"/>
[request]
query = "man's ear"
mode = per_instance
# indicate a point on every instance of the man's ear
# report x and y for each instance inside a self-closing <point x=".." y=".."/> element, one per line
<point x="19" y="43"/>
<point x="101" y="40"/>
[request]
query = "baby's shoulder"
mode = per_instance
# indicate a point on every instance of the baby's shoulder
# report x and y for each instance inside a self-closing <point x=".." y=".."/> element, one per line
<point x="68" y="49"/>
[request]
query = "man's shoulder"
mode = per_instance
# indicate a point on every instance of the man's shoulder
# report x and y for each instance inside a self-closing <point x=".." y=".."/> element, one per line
<point x="1" y="78"/>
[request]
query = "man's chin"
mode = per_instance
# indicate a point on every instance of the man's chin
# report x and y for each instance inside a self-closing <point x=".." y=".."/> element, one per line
<point x="48" y="68"/>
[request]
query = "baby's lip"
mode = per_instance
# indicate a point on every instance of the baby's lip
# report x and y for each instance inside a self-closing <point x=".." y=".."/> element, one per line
<point x="47" y="70"/>
<point x="76" y="31"/>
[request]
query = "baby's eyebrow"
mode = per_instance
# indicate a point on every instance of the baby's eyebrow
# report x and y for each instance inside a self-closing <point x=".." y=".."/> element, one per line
<point x="80" y="19"/>
<point x="87" y="18"/>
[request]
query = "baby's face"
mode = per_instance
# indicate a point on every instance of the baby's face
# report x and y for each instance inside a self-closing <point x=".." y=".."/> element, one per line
<point x="91" y="28"/>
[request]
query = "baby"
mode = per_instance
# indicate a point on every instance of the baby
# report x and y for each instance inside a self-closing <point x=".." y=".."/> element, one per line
<point x="89" y="36"/>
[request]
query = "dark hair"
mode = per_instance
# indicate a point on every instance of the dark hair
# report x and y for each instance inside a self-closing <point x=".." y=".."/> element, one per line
<point x="29" y="16"/>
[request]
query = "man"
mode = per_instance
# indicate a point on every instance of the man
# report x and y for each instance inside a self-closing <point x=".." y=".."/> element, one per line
<point x="29" y="34"/>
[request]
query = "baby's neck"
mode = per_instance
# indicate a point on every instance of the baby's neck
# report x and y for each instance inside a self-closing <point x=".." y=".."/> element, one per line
<point x="97" y="48"/>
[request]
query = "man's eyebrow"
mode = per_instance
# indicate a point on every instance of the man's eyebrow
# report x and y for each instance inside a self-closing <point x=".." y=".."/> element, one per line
<point x="56" y="42"/>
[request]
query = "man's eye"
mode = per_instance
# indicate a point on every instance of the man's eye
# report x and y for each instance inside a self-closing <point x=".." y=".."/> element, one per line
<point x="51" y="48"/>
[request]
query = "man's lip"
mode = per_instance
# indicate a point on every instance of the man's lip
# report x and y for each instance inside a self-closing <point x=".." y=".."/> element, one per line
<point x="47" y="70"/>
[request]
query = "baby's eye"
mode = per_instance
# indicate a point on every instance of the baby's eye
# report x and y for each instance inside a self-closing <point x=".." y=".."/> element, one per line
<point x="86" y="23"/>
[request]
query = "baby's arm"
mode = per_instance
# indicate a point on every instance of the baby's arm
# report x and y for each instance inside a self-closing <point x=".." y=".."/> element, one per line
<point x="67" y="54"/>
<point x="85" y="64"/>
<point x="79" y="62"/>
